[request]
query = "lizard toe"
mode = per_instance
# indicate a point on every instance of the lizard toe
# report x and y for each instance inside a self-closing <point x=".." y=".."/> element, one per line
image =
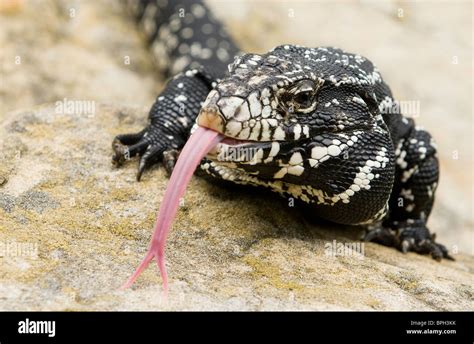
<point x="169" y="160"/>
<point x="124" y="150"/>
<point x="153" y="154"/>
<point x="414" y="236"/>
<point x="380" y="235"/>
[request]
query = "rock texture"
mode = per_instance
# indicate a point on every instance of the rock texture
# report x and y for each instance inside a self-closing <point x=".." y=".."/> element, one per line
<point x="229" y="248"/>
<point x="72" y="227"/>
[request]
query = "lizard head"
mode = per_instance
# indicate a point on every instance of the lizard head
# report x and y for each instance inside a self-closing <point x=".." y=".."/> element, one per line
<point x="291" y="93"/>
<point x="295" y="118"/>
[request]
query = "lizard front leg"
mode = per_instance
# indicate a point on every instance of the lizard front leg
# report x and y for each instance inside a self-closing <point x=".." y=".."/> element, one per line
<point x="417" y="173"/>
<point x="170" y="120"/>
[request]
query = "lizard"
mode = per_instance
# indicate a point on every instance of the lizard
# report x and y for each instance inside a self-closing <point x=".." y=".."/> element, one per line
<point x="320" y="124"/>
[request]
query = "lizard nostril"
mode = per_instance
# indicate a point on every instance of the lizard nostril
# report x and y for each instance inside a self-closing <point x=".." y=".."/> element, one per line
<point x="211" y="118"/>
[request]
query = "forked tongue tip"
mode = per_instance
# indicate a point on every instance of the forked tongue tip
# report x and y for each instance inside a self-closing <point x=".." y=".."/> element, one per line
<point x="197" y="146"/>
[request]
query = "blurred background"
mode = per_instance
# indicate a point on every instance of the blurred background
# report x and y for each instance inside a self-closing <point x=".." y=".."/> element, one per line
<point x="56" y="49"/>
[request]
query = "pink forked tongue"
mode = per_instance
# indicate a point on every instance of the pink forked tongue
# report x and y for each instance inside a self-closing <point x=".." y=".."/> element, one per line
<point x="198" y="145"/>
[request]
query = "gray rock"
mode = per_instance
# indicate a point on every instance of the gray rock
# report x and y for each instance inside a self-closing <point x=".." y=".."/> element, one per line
<point x="230" y="248"/>
<point x="73" y="228"/>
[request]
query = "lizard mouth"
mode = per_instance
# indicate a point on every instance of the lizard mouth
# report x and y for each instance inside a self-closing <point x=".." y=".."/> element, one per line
<point x="230" y="141"/>
<point x="229" y="149"/>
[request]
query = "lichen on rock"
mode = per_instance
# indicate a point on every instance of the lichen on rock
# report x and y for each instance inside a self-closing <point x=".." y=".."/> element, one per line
<point x="230" y="248"/>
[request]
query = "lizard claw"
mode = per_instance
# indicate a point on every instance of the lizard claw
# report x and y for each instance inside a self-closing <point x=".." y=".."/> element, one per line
<point x="152" y="155"/>
<point x="410" y="235"/>
<point x="151" y="145"/>
<point x="415" y="236"/>
<point x="406" y="245"/>
<point x="126" y="146"/>
<point x="381" y="235"/>
<point x="169" y="160"/>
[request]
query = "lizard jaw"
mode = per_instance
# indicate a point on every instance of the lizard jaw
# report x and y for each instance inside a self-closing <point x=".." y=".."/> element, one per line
<point x="210" y="118"/>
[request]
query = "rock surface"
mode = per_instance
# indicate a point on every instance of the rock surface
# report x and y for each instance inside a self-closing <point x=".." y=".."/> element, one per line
<point x="72" y="228"/>
<point x="229" y="248"/>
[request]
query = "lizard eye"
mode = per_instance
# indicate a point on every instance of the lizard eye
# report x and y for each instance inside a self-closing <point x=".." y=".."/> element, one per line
<point x="304" y="100"/>
<point x="303" y="96"/>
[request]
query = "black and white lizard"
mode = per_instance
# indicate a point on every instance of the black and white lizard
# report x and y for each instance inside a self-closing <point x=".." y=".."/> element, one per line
<point x="320" y="122"/>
